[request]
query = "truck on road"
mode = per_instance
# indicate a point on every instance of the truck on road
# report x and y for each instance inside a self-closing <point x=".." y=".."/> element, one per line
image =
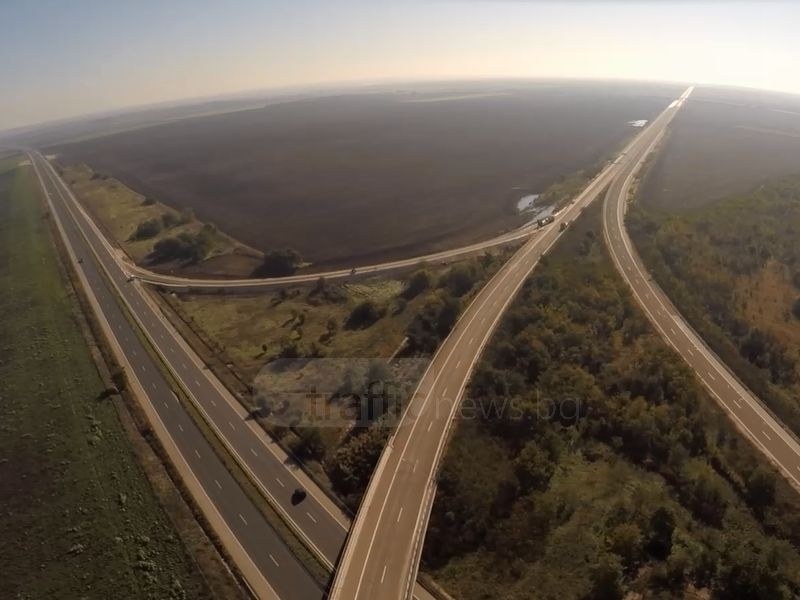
<point x="545" y="220"/>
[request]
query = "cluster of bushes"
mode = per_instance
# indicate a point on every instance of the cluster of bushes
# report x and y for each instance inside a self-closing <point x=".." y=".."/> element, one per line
<point x="147" y="229"/>
<point x="376" y="394"/>
<point x="441" y="310"/>
<point x="280" y="263"/>
<point x="349" y="467"/>
<point x="589" y="463"/>
<point x="152" y="227"/>
<point x="189" y="247"/>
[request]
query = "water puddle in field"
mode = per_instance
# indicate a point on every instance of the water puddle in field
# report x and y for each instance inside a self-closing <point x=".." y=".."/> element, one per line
<point x="526" y="203"/>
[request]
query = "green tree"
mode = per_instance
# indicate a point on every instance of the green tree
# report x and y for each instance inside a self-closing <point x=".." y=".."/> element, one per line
<point x="626" y="540"/>
<point x="750" y="572"/>
<point x="364" y="314"/>
<point x="606" y="578"/>
<point x="308" y="443"/>
<point x="351" y="465"/>
<point x="147" y="229"/>
<point x="533" y="468"/>
<point x="280" y="263"/>
<point x="760" y="488"/>
<point x="459" y="280"/>
<point x="661" y="528"/>
<point x="184" y="246"/>
<point x="417" y="283"/>
<point x="170" y="220"/>
<point x="708" y="498"/>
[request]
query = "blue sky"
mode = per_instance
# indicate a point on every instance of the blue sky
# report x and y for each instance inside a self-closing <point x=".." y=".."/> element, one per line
<point x="61" y="59"/>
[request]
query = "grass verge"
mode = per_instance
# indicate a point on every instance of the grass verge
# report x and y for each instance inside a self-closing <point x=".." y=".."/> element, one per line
<point x="81" y="519"/>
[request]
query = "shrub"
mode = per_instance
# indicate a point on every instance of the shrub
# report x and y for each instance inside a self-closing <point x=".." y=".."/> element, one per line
<point x="308" y="443"/>
<point x="417" y="283"/>
<point x="280" y="263"/>
<point x="433" y="323"/>
<point x="183" y="246"/>
<point x="459" y="280"/>
<point x="170" y="220"/>
<point x="760" y="489"/>
<point x="147" y="229"/>
<point x="364" y="315"/>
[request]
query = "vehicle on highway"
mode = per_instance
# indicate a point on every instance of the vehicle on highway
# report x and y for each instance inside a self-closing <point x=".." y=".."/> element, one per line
<point x="298" y="495"/>
<point x="545" y="220"/>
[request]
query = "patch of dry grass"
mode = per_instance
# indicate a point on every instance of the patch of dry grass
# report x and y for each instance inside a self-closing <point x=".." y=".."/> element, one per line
<point x="119" y="211"/>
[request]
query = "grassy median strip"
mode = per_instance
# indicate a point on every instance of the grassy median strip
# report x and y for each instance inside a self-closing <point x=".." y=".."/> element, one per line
<point x="79" y="516"/>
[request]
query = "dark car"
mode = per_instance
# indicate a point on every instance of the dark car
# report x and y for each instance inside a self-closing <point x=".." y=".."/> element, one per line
<point x="298" y="495"/>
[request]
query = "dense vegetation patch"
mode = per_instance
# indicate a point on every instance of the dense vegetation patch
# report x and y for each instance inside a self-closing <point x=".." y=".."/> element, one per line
<point x="589" y="463"/>
<point x="733" y="268"/>
<point x="186" y="246"/>
<point x="280" y="263"/>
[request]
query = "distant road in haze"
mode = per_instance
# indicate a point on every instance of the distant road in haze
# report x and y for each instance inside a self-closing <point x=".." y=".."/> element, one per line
<point x="743" y="407"/>
<point x="383" y="550"/>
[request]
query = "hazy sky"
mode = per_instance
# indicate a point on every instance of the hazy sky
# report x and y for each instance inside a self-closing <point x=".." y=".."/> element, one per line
<point x="62" y="58"/>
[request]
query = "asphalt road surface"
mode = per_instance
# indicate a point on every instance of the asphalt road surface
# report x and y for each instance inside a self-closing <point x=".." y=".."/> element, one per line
<point x="316" y="520"/>
<point x="184" y="284"/>
<point x="743" y="407"/>
<point x="382" y="554"/>
<point x="284" y="575"/>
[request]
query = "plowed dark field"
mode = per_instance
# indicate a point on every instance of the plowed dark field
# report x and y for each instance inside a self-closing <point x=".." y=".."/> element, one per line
<point x="372" y="176"/>
<point x="725" y="142"/>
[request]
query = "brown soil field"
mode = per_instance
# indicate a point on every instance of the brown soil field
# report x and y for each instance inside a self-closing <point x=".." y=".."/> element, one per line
<point x="725" y="142"/>
<point x="354" y="178"/>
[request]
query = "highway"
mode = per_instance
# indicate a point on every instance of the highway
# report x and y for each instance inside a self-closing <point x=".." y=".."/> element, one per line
<point x="269" y="567"/>
<point x="255" y="284"/>
<point x="184" y="284"/>
<point x="383" y="550"/>
<point x="317" y="521"/>
<point x="741" y="405"/>
<point x="382" y="554"/>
